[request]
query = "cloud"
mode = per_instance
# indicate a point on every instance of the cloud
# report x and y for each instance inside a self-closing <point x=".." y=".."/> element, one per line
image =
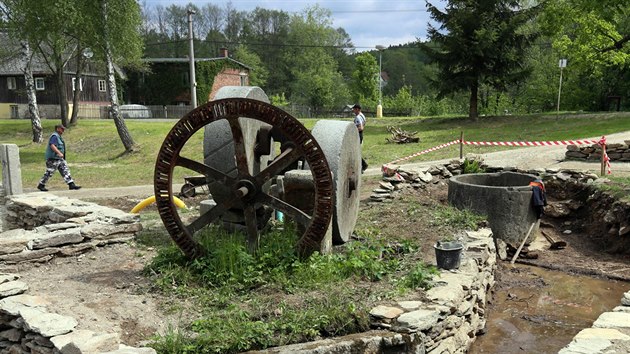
<point x="368" y="22"/>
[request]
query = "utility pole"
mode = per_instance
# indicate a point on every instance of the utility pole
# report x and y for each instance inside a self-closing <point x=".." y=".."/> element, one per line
<point x="191" y="59"/>
<point x="379" y="108"/>
<point x="562" y="64"/>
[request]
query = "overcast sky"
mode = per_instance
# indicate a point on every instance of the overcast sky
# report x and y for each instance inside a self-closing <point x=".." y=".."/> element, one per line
<point x="368" y="22"/>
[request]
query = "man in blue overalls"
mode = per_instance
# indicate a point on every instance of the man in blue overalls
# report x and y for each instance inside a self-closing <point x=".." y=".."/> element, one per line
<point x="56" y="160"/>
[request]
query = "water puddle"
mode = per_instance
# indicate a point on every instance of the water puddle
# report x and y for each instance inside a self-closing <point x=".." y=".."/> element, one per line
<point x="544" y="310"/>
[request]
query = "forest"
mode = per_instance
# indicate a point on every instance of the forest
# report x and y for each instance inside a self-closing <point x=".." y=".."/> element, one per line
<point x="492" y="57"/>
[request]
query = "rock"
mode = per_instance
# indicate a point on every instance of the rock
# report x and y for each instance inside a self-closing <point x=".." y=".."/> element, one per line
<point x="123" y="349"/>
<point x="410" y="305"/>
<point x="419" y="320"/>
<point x="14" y="241"/>
<point x="557" y="210"/>
<point x="426" y="177"/>
<point x="47" y="324"/>
<point x="12" y="288"/>
<point x="12" y="335"/>
<point x="83" y="341"/>
<point x="386" y="185"/>
<point x="56" y="238"/>
<point x="563" y="176"/>
<point x="385" y="312"/>
<point x="12" y="305"/>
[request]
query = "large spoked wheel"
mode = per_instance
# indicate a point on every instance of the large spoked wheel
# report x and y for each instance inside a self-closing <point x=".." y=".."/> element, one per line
<point x="246" y="188"/>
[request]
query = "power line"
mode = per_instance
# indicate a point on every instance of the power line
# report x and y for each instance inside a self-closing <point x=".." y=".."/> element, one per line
<point x="278" y="45"/>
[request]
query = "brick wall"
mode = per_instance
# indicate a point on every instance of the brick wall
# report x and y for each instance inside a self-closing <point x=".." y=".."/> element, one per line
<point x="227" y="77"/>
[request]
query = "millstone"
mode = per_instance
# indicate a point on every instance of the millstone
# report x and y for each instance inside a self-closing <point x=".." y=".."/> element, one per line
<point x="340" y="142"/>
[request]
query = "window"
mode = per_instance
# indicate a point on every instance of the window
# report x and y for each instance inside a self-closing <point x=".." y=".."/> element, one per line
<point x="74" y="80"/>
<point x="102" y="87"/>
<point x="11" y="85"/>
<point x="39" y="84"/>
<point x="15" y="111"/>
<point x="243" y="79"/>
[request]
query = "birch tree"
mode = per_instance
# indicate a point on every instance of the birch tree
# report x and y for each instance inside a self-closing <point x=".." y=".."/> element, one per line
<point x="8" y="15"/>
<point x="33" y="109"/>
<point x="123" y="18"/>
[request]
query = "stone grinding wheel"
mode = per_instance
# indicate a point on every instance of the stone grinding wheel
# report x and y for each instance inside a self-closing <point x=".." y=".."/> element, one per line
<point x="245" y="188"/>
<point x="341" y="145"/>
<point x="218" y="145"/>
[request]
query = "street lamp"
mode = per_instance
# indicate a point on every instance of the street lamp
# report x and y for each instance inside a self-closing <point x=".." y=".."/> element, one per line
<point x="379" y="108"/>
<point x="191" y="59"/>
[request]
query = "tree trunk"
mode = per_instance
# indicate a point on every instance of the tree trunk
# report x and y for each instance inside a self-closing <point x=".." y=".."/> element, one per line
<point x="76" y="94"/>
<point x="62" y="95"/>
<point x="33" y="109"/>
<point x="123" y="132"/>
<point x="472" y="109"/>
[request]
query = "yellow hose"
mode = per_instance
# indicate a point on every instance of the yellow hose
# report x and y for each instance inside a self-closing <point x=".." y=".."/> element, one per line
<point x="143" y="204"/>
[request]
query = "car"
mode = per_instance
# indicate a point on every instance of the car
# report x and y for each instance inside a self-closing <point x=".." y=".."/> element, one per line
<point x="135" y="111"/>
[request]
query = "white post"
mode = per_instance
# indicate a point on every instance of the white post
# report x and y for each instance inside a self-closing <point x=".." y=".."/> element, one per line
<point x="379" y="108"/>
<point x="191" y="59"/>
<point x="562" y="64"/>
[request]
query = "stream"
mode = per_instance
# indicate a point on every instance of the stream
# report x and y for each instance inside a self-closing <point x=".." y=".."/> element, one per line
<point x="544" y="312"/>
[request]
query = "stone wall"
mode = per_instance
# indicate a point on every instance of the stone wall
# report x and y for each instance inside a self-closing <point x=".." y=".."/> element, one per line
<point x="41" y="226"/>
<point x="26" y="326"/>
<point x="610" y="333"/>
<point x="616" y="152"/>
<point x="447" y="320"/>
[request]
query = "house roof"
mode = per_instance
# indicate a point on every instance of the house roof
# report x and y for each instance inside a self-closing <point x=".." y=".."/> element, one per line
<point x="185" y="60"/>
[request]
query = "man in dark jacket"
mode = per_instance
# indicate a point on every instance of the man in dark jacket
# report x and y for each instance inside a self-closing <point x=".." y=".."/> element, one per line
<point x="56" y="160"/>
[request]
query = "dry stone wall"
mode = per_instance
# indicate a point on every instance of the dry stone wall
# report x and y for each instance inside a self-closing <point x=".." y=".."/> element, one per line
<point x="616" y="152"/>
<point x="447" y="320"/>
<point x="27" y="326"/>
<point x="42" y="225"/>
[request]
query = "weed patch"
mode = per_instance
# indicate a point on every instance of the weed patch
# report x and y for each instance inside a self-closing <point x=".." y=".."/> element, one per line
<point x="271" y="298"/>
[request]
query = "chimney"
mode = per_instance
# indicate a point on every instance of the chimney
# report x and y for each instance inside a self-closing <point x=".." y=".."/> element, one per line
<point x="223" y="52"/>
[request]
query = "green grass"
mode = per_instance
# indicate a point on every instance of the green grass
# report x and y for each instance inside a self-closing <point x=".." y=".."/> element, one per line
<point x="97" y="158"/>
<point x="274" y="297"/>
<point x="619" y="187"/>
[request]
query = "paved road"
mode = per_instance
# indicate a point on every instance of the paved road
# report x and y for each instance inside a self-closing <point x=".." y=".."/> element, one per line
<point x="524" y="158"/>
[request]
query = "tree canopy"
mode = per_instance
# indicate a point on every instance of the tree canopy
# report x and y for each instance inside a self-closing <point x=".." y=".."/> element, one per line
<point x="479" y="42"/>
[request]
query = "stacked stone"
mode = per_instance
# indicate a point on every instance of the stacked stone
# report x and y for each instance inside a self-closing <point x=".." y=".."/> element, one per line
<point x="446" y="321"/>
<point x="400" y="178"/>
<point x="610" y="333"/>
<point x="616" y="152"/>
<point x="62" y="227"/>
<point x="454" y="310"/>
<point x="26" y="326"/>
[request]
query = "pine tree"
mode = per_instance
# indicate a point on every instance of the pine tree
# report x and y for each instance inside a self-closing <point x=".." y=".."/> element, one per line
<point x="479" y="42"/>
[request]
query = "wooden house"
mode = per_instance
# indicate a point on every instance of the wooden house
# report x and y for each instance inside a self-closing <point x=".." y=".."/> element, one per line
<point x="14" y="101"/>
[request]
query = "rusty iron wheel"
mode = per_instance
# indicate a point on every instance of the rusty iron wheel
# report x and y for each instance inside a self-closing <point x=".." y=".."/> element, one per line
<point x="245" y="187"/>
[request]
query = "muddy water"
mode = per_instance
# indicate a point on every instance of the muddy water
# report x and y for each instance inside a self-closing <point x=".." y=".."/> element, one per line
<point x="544" y="310"/>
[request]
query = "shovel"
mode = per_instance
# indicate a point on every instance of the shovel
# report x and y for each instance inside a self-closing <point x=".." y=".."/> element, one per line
<point x="555" y="245"/>
<point x="518" y="251"/>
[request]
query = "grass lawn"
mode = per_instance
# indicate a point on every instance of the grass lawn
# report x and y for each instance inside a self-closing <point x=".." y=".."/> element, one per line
<point x="97" y="157"/>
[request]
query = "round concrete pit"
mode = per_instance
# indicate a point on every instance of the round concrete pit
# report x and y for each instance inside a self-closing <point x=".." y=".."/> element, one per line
<point x="504" y="198"/>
